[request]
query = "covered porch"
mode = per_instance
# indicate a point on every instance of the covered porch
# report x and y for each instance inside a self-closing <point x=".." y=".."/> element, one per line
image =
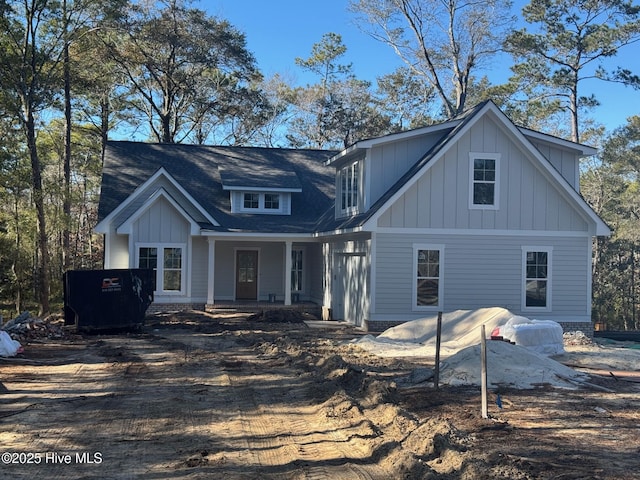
<point x="251" y="273"/>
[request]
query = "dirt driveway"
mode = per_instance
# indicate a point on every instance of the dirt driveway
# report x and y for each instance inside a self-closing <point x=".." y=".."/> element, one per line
<point x="197" y="396"/>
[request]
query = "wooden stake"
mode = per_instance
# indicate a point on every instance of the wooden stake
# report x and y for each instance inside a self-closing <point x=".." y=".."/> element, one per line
<point x="436" y="374"/>
<point x="483" y="372"/>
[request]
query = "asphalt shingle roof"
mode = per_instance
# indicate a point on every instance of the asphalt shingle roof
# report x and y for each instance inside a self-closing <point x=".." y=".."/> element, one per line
<point x="201" y="170"/>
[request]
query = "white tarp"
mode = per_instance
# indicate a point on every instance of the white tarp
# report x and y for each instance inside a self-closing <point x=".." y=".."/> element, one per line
<point x="541" y="336"/>
<point x="8" y="346"/>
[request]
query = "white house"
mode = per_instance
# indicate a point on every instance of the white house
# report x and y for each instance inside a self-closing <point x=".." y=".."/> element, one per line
<point x="470" y="213"/>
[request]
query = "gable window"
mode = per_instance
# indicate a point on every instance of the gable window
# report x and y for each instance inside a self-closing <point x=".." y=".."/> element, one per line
<point x="168" y="264"/>
<point x="484" y="174"/>
<point x="297" y="271"/>
<point x="427" y="263"/>
<point x="349" y="187"/>
<point x="536" y="278"/>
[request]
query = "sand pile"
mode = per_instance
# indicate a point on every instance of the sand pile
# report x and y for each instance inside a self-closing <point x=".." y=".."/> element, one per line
<point x="507" y="366"/>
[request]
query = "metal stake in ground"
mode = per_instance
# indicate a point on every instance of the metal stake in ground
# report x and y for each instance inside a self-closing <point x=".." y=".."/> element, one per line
<point x="483" y="372"/>
<point x="436" y="375"/>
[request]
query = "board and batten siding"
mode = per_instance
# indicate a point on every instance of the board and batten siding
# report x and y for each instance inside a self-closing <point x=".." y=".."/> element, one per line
<point x="347" y="271"/>
<point x="144" y="195"/>
<point x="388" y="162"/>
<point x="565" y="161"/>
<point x="481" y="271"/>
<point x="161" y="223"/>
<point x="528" y="199"/>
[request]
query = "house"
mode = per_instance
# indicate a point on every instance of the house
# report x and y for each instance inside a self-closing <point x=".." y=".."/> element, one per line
<point x="470" y="213"/>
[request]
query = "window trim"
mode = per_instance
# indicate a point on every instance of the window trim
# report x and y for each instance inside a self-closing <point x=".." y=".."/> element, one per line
<point x="496" y="190"/>
<point x="414" y="277"/>
<point x="160" y="265"/>
<point x="549" y="251"/>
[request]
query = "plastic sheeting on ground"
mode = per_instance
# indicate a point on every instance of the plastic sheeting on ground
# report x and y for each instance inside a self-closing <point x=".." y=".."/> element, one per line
<point x="8" y="346"/>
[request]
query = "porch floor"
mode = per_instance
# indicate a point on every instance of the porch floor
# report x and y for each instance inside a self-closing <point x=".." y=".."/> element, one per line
<point x="253" y="306"/>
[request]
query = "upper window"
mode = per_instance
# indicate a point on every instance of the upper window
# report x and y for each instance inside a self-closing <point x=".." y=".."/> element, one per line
<point x="167" y="262"/>
<point x="427" y="292"/>
<point x="536" y="278"/>
<point x="272" y="201"/>
<point x="251" y="200"/>
<point x="349" y="187"/>
<point x="262" y="202"/>
<point x="484" y="173"/>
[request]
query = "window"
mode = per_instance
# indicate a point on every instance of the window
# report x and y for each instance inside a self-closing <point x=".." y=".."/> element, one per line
<point x="256" y="202"/>
<point x="428" y="279"/>
<point x="272" y="201"/>
<point x="484" y="180"/>
<point x="349" y="187"/>
<point x="169" y="272"/>
<point x="536" y="278"/>
<point x="296" y="271"/>
<point x="251" y="200"/>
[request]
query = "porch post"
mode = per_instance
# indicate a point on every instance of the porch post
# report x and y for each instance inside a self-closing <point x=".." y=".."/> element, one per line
<point x="287" y="272"/>
<point x="211" y="270"/>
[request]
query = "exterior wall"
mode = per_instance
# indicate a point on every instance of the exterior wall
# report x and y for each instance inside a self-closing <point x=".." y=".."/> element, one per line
<point x="565" y="161"/>
<point x="199" y="264"/>
<point x="482" y="271"/>
<point x="347" y="275"/>
<point x="388" y="162"/>
<point x="161" y="223"/>
<point x="116" y="253"/>
<point x="527" y="198"/>
<point x="313" y="273"/>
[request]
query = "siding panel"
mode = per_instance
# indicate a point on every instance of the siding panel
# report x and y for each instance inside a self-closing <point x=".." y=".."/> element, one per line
<point x="481" y="271"/>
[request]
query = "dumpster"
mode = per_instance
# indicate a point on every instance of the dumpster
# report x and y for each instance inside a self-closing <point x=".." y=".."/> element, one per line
<point x="107" y="299"/>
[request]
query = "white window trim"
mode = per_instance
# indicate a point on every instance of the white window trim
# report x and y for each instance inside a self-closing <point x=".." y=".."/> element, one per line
<point x="414" y="271"/>
<point x="496" y="192"/>
<point x="549" y="252"/>
<point x="160" y="268"/>
<point x="348" y="210"/>
<point x="261" y="208"/>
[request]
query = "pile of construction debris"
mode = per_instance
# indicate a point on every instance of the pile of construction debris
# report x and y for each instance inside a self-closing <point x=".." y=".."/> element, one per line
<point x="25" y="328"/>
<point x="576" y="338"/>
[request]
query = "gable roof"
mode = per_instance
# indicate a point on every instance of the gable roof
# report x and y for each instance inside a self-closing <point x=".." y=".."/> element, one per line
<point x="201" y="172"/>
<point x="457" y="128"/>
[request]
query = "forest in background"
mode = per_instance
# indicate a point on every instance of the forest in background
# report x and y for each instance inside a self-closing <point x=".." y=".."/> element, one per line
<point x="75" y="73"/>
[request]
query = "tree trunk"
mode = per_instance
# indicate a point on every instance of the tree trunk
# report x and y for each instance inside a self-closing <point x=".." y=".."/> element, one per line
<point x="38" y="199"/>
<point x="66" y="194"/>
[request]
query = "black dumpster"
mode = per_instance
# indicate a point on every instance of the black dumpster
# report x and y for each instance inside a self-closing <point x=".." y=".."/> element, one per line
<point x="107" y="299"/>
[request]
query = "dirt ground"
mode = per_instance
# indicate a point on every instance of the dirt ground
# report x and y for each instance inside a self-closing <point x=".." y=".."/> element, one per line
<point x="195" y="396"/>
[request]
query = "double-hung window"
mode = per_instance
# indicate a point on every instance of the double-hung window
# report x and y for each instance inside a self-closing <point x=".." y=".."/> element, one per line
<point x="167" y="261"/>
<point x="536" y="278"/>
<point x="428" y="286"/>
<point x="484" y="173"/>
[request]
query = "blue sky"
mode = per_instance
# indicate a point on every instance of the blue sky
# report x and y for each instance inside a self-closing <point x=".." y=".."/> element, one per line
<point x="278" y="31"/>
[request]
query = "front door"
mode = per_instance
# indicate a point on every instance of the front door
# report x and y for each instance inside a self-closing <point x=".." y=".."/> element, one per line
<point x="247" y="275"/>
